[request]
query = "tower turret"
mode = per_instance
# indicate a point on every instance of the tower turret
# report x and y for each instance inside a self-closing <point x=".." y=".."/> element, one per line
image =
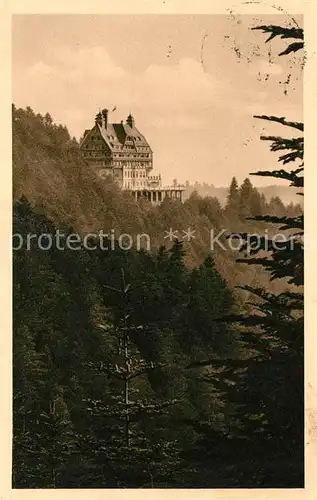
<point x="98" y="119"/>
<point x="130" y="121"/>
<point x="104" y="113"/>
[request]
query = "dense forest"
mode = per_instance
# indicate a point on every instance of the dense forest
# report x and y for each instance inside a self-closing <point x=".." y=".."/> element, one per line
<point x="178" y="366"/>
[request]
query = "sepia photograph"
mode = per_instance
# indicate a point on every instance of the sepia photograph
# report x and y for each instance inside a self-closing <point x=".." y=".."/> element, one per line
<point x="157" y="249"/>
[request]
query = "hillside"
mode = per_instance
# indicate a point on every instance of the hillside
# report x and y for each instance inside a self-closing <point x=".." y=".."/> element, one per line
<point x="49" y="172"/>
<point x="107" y="392"/>
<point x="159" y="346"/>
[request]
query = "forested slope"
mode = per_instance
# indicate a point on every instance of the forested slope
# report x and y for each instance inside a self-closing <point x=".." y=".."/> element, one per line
<point x="106" y="343"/>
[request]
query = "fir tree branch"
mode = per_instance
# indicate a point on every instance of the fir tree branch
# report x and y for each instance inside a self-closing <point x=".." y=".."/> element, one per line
<point x="284" y="33"/>
<point x="282" y="120"/>
<point x="282" y="174"/>
<point x="293" y="47"/>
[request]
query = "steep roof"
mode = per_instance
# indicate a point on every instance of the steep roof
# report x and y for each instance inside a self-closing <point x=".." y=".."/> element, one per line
<point x="116" y="134"/>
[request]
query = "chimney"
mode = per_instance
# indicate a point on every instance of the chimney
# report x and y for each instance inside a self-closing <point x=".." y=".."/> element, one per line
<point x="104" y="118"/>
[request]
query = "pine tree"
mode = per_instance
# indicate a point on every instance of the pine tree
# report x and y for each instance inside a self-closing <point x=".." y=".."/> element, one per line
<point x="232" y="204"/>
<point x="126" y="426"/>
<point x="266" y="385"/>
<point x="210" y="298"/>
<point x="256" y="203"/>
<point x="50" y="343"/>
<point x="245" y="196"/>
<point x="276" y="334"/>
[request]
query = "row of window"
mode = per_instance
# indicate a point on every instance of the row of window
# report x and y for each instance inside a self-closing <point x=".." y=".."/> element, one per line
<point x="136" y="137"/>
<point x="111" y="137"/>
<point x="150" y="195"/>
<point x="138" y="164"/>
<point x="94" y="146"/>
<point x="142" y="155"/>
<point x="134" y="173"/>
<point x="130" y="185"/>
<point x="98" y="138"/>
<point x="91" y="157"/>
<point x="123" y="162"/>
<point x="95" y="153"/>
<point x="128" y="139"/>
<point x="123" y="155"/>
<point x="116" y="155"/>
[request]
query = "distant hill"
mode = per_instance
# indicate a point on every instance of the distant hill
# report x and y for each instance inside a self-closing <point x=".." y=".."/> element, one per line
<point x="286" y="194"/>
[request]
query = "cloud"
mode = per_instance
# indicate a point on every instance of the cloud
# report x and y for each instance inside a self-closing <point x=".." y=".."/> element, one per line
<point x="88" y="78"/>
<point x="183" y="84"/>
<point x="94" y="61"/>
<point x="40" y="70"/>
<point x="193" y="119"/>
<point x="77" y="66"/>
<point x="179" y="122"/>
<point x="78" y="81"/>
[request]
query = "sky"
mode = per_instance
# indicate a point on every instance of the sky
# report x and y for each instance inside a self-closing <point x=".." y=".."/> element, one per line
<point x="192" y="82"/>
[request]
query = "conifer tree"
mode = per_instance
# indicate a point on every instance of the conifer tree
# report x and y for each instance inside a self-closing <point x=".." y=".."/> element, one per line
<point x="256" y="203"/>
<point x="245" y="195"/>
<point x="266" y="386"/>
<point x="232" y="203"/>
<point x="129" y="437"/>
<point x="277" y="325"/>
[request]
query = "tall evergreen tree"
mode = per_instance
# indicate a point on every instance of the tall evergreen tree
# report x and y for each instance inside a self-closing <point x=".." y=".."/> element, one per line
<point x="266" y="385"/>
<point x="232" y="203"/>
<point x="245" y="196"/>
<point x="277" y="325"/>
<point x="135" y="451"/>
